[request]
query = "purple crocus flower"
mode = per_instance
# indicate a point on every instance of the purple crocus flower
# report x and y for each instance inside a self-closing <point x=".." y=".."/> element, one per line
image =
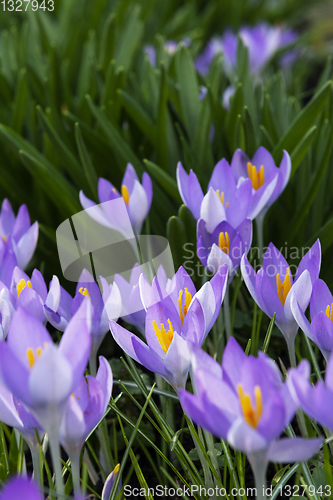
<point x="316" y="401"/>
<point x="43" y="375"/>
<point x="172" y="323"/>
<point x="225" y="245"/>
<point x="18" y="240"/>
<point x="109" y="482"/>
<point x="28" y="293"/>
<point x="245" y="402"/>
<point x="262" y="42"/>
<point x="320" y="330"/>
<point x="268" y="181"/>
<point x="83" y="411"/>
<point x="60" y="307"/>
<point x="273" y="286"/>
<point x="133" y="311"/>
<point x="137" y="198"/>
<point x="18" y="488"/>
<point x="234" y="194"/>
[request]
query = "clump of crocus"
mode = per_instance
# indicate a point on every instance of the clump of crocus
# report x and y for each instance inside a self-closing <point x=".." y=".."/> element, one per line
<point x="43" y="375"/>
<point x="137" y="198"/>
<point x="60" y="307"/>
<point x="273" y="286"/>
<point x="320" y="330"/>
<point x="84" y="410"/>
<point x="172" y="324"/>
<point x="246" y="402"/>
<point x="262" y="42"/>
<point x="18" y="240"/>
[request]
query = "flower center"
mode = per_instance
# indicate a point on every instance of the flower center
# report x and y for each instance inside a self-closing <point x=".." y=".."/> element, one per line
<point x="183" y="308"/>
<point x="252" y="415"/>
<point x="283" y="288"/>
<point x="22" y="284"/>
<point x="221" y="197"/>
<point x="329" y="311"/>
<point x="164" y="336"/>
<point x="224" y="242"/>
<point x="257" y="178"/>
<point x="32" y="356"/>
<point x="125" y="194"/>
<point x="84" y="291"/>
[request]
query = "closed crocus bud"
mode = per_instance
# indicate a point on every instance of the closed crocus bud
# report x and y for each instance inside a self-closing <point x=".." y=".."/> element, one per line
<point x="109" y="483"/>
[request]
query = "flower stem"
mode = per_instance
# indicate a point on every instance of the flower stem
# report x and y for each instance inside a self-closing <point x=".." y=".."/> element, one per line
<point x="226" y="311"/>
<point x="260" y="235"/>
<point x="258" y="463"/>
<point x="34" y="449"/>
<point x="75" y="466"/>
<point x="291" y="352"/>
<point x="56" y="460"/>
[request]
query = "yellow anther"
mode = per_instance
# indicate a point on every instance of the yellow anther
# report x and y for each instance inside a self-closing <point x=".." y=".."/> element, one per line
<point x="283" y="288"/>
<point x="115" y="470"/>
<point x="183" y="308"/>
<point x="257" y="178"/>
<point x="114" y="190"/>
<point x="22" y="284"/>
<point x="4" y="239"/>
<point x="84" y="291"/>
<point x="221" y="197"/>
<point x="252" y="415"/>
<point x="31" y="357"/>
<point x="125" y="193"/>
<point x="164" y="336"/>
<point x="224" y="242"/>
<point x="329" y="311"/>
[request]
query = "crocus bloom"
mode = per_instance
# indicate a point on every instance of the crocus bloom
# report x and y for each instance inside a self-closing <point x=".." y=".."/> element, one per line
<point x="245" y="402"/>
<point x="233" y="194"/>
<point x="18" y="488"/>
<point x="18" y="239"/>
<point x="273" y="286"/>
<point x="109" y="482"/>
<point x="225" y="245"/>
<point x="172" y="323"/>
<point x="316" y="401"/>
<point x="262" y="42"/>
<point x="137" y="198"/>
<point x="83" y="411"/>
<point x="60" y="307"/>
<point x="133" y="311"/>
<point x="38" y="372"/>
<point x="264" y="175"/>
<point x="14" y="414"/>
<point x="320" y="331"/>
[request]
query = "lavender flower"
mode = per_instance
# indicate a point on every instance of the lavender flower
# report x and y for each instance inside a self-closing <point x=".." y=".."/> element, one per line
<point x="18" y="488"/>
<point x="245" y="402"/>
<point x="18" y="240"/>
<point x="273" y="286"/>
<point x="172" y="323"/>
<point x="320" y="331"/>
<point x="137" y="198"/>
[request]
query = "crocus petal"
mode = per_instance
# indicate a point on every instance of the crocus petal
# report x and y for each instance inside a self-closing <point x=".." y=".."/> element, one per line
<point x="302" y="288"/>
<point x="124" y="339"/>
<point x="77" y="334"/>
<point x="299" y="316"/>
<point x="321" y="298"/>
<point x="50" y="380"/>
<point x="7" y="218"/>
<point x="94" y="211"/>
<point x="249" y="277"/>
<point x="233" y="358"/>
<point x="296" y="449"/>
<point x="147" y="357"/>
<point x="194" y="408"/>
<point x="311" y="261"/>
<point x="26" y="246"/>
<point x="244" y="438"/>
<point x="16" y="380"/>
<point x="212" y="210"/>
<point x="148" y="187"/>
<point x="322" y="330"/>
<point x="177" y="362"/>
<point x="22" y="223"/>
<point x="104" y="377"/>
<point x="217" y="258"/>
<point x="20" y="487"/>
<point x="138" y="206"/>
